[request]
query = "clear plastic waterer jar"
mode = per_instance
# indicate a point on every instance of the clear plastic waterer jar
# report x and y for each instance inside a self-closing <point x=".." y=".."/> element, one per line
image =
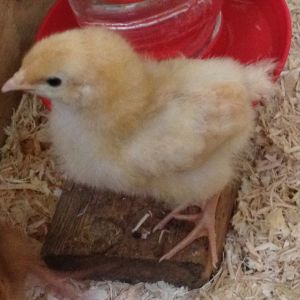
<point x="159" y="28"/>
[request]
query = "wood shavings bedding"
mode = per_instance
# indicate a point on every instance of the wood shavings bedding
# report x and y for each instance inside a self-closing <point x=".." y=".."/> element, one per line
<point x="262" y="251"/>
<point x="28" y="176"/>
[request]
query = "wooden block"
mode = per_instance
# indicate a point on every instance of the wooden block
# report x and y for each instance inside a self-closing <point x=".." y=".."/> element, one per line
<point x="92" y="231"/>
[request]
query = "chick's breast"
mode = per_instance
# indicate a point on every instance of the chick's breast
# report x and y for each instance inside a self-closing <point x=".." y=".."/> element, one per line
<point x="83" y="153"/>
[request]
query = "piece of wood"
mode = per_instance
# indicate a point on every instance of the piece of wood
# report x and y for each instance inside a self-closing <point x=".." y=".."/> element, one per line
<point x="19" y="20"/>
<point x="92" y="230"/>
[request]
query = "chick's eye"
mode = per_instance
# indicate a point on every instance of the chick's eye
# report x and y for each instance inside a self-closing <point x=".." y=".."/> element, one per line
<point x="54" y="81"/>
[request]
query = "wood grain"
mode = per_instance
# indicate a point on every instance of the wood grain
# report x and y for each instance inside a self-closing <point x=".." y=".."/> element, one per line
<point x="19" y="20"/>
<point x="92" y="230"/>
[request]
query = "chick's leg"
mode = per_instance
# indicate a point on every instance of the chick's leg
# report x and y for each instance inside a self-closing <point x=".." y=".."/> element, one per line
<point x="204" y="226"/>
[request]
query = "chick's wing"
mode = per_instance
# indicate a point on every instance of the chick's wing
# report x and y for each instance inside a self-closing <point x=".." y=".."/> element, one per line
<point x="188" y="129"/>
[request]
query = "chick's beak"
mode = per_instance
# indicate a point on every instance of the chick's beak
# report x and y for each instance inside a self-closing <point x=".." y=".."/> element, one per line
<point x="16" y="83"/>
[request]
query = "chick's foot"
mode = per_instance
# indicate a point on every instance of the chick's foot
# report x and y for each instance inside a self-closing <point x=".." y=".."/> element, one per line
<point x="204" y="226"/>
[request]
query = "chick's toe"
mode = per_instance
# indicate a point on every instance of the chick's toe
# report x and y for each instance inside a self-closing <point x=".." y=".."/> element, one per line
<point x="204" y="226"/>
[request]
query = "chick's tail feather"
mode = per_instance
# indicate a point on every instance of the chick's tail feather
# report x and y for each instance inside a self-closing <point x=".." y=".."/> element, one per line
<point x="260" y="80"/>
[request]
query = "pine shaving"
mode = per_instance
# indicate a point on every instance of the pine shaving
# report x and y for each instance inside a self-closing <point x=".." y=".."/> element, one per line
<point x="28" y="175"/>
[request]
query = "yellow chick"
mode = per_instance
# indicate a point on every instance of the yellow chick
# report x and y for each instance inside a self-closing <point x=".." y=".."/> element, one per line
<point x="123" y="122"/>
